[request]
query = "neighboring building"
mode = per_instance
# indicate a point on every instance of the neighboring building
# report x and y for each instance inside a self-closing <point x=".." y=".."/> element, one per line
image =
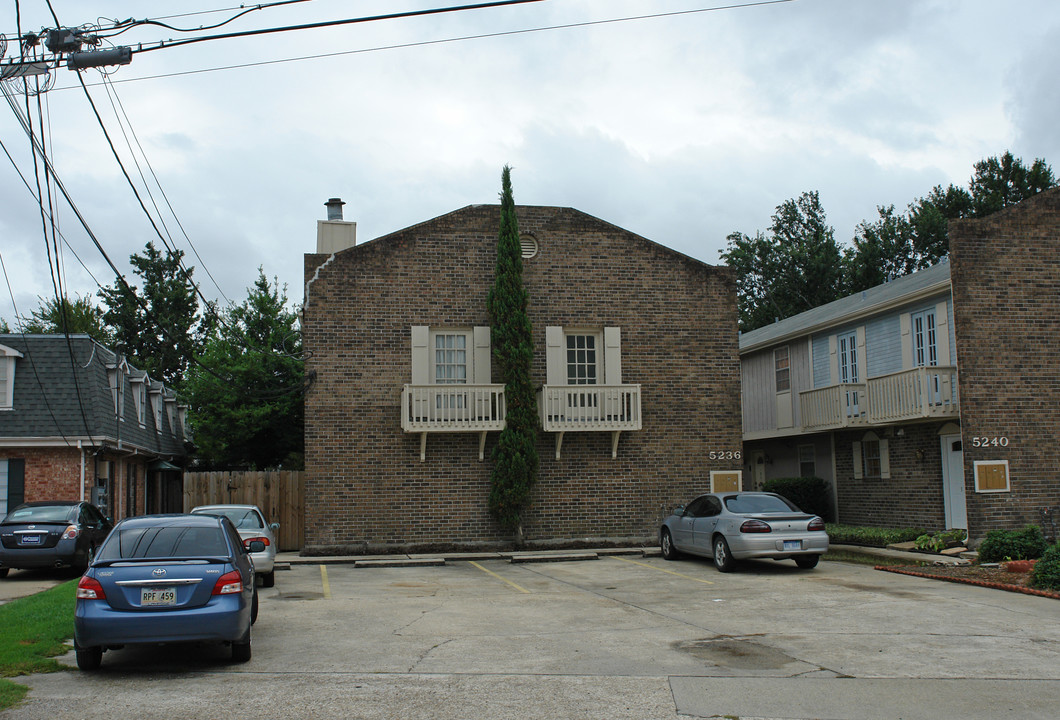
<point x="635" y="357"/>
<point x="77" y="422"/>
<point x="865" y="392"/>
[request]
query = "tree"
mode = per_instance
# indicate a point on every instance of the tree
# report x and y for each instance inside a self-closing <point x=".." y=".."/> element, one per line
<point x="1000" y="182"/>
<point x="883" y="250"/>
<point x="795" y="268"/>
<point x="246" y="392"/>
<point x="515" y="460"/>
<point x="160" y="325"/>
<point x="81" y="316"/>
<point x="4" y="327"/>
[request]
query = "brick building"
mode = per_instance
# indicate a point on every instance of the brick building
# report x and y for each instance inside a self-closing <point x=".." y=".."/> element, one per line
<point x="635" y="356"/>
<point x="931" y="401"/>
<point x="78" y="422"/>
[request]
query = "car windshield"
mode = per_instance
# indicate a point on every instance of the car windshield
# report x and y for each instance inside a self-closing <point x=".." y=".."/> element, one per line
<point x="164" y="542"/>
<point x="240" y="517"/>
<point x="753" y="504"/>
<point x="42" y="514"/>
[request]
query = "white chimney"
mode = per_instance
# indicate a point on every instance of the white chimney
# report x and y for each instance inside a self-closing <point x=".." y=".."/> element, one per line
<point x="335" y="234"/>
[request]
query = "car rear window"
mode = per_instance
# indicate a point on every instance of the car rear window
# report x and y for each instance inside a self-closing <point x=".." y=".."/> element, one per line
<point x="750" y="504"/>
<point x="42" y="514"/>
<point x="164" y="542"/>
<point x="242" y="518"/>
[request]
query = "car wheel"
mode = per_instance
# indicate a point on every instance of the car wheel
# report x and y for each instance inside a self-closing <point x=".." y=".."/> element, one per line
<point x="89" y="658"/>
<point x="807" y="562"/>
<point x="666" y="542"/>
<point x="254" y="609"/>
<point x="268" y="579"/>
<point x="3" y="572"/>
<point x="241" y="649"/>
<point x="723" y="559"/>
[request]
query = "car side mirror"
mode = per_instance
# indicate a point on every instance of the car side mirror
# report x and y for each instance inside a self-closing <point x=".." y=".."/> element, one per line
<point x="274" y="527"/>
<point x="256" y="546"/>
<point x="679" y="510"/>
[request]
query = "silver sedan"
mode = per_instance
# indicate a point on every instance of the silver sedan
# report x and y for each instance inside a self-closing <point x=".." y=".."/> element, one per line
<point x="251" y="525"/>
<point x="734" y="526"/>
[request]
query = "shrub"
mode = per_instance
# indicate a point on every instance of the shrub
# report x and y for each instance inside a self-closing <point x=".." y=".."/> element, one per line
<point x="1025" y="544"/>
<point x="1046" y="572"/>
<point x="870" y="536"/>
<point x="810" y="494"/>
<point x="939" y="541"/>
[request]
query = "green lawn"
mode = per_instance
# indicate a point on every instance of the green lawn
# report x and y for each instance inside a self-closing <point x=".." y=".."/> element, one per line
<point x="33" y="630"/>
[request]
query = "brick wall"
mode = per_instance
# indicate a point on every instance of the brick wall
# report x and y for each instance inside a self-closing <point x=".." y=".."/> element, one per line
<point x="1006" y="295"/>
<point x="366" y="486"/>
<point x="912" y="497"/>
<point x="50" y="474"/>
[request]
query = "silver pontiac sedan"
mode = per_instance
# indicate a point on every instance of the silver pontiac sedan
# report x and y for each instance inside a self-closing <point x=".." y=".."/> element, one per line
<point x="735" y="526"/>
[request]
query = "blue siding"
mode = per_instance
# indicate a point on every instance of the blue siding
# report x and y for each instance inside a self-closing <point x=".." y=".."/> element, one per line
<point x="883" y="345"/>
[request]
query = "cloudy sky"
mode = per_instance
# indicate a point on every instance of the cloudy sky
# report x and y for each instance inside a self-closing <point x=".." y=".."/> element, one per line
<point x="681" y="127"/>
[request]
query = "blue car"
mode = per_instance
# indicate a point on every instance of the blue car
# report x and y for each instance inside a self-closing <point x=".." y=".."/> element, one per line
<point x="166" y="579"/>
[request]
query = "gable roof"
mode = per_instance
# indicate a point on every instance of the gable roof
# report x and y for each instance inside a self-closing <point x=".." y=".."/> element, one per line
<point x="905" y="289"/>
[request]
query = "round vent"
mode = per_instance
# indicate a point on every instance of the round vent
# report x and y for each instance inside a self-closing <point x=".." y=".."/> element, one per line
<point x="528" y="243"/>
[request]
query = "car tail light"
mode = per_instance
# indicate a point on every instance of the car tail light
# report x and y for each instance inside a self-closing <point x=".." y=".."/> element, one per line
<point x="230" y="582"/>
<point x="755" y="526"/>
<point x="816" y="524"/>
<point x="90" y="589"/>
<point x="72" y="531"/>
<point x="246" y="543"/>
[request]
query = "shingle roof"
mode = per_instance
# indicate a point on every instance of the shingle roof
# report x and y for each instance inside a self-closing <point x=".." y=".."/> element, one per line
<point x="868" y="302"/>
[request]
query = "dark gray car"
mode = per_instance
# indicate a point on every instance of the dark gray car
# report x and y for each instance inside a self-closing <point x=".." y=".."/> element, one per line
<point x="51" y="535"/>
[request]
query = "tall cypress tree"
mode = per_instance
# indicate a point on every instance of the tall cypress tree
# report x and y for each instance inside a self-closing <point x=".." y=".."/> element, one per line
<point x="515" y="460"/>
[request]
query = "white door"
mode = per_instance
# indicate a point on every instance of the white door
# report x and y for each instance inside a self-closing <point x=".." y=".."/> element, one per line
<point x="953" y="482"/>
<point x="848" y="371"/>
<point x="758" y="470"/>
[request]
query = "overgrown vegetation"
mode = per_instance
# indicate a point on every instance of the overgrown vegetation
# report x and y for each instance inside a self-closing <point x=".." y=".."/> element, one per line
<point x="870" y="536"/>
<point x="810" y="494"/>
<point x="939" y="541"/>
<point x="1046" y="573"/>
<point x="1025" y="544"/>
<point x="33" y="630"/>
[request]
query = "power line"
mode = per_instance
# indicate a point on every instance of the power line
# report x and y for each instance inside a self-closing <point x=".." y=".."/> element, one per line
<point x="444" y="41"/>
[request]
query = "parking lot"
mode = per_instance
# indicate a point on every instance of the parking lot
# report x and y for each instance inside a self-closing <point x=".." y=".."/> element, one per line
<point x="618" y="637"/>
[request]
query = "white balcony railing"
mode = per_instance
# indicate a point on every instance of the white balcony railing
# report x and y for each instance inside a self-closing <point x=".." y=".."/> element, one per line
<point x="454" y="408"/>
<point x="589" y="408"/>
<point x="924" y="392"/>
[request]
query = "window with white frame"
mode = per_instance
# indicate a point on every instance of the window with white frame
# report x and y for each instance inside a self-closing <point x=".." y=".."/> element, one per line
<point x="782" y="366"/>
<point x="871" y="457"/>
<point x="139" y="386"/>
<point x="925" y="345"/>
<point x="582" y="358"/>
<point x="847" y="351"/>
<point x="450" y="358"/>
<point x="7" y="376"/>
<point x="116" y="376"/>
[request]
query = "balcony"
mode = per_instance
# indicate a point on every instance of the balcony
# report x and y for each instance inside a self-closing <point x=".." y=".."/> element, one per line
<point x="452" y="408"/>
<point x="589" y="408"/>
<point x="910" y="395"/>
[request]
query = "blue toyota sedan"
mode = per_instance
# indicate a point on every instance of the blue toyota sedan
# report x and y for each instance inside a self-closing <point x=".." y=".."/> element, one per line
<point x="166" y="579"/>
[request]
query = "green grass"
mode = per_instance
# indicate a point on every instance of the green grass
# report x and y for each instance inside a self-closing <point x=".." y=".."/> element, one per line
<point x="33" y="630"/>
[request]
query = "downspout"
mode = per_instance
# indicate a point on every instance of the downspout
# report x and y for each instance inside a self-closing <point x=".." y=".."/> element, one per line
<point x="82" y="451"/>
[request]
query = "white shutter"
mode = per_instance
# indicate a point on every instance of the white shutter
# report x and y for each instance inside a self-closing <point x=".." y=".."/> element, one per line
<point x="862" y="362"/>
<point x="612" y="356"/>
<point x="481" y="371"/>
<point x="858" y="467"/>
<point x="833" y="360"/>
<point x="555" y="356"/>
<point x="905" y="323"/>
<point x="421" y="355"/>
<point x="942" y="333"/>
<point x="885" y="460"/>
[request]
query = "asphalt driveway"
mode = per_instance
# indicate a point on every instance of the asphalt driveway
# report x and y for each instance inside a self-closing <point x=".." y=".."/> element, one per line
<point x="618" y="637"/>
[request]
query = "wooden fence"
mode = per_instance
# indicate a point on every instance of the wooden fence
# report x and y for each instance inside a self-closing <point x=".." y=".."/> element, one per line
<point x="279" y="494"/>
